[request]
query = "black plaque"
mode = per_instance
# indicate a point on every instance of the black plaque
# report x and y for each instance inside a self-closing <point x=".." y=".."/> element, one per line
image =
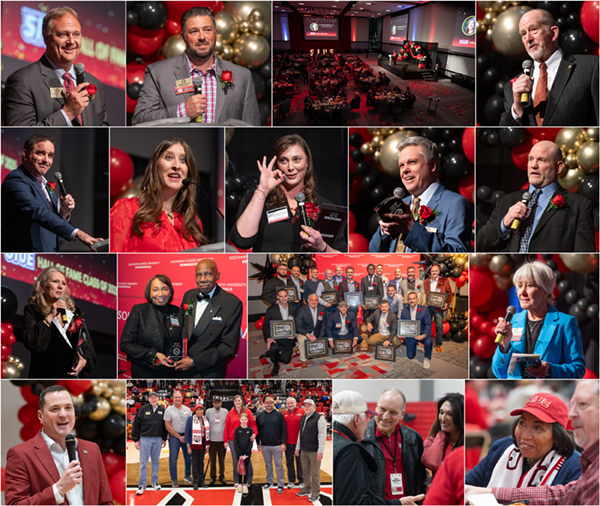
<point x="371" y="301"/>
<point x="342" y="346"/>
<point x="354" y="299"/>
<point x="385" y="353"/>
<point x="316" y="348"/>
<point x="391" y="205"/>
<point x="176" y="350"/>
<point x="331" y="222"/>
<point x="436" y="300"/>
<point x="409" y="328"/>
<point x="283" y="329"/>
<point x="330" y="298"/>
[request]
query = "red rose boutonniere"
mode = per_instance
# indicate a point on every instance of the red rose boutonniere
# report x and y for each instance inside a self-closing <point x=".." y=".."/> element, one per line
<point x="556" y="203"/>
<point x="188" y="307"/>
<point x="426" y="215"/>
<point x="226" y="79"/>
<point x="51" y="186"/>
<point x="347" y="322"/>
<point x="91" y="89"/>
<point x="76" y="323"/>
<point x="418" y="310"/>
<point x="321" y="313"/>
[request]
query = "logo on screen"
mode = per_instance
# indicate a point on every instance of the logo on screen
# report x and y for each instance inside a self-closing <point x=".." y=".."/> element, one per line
<point x="314" y="26"/>
<point x="31" y="26"/>
<point x="393" y="29"/>
<point x="469" y="25"/>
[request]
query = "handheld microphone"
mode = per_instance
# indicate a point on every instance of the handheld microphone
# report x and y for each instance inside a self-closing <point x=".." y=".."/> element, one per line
<point x="187" y="182"/>
<point x="300" y="198"/>
<point x="399" y="193"/>
<point x="527" y="66"/>
<point x="391" y="205"/>
<point x="517" y="222"/>
<point x="79" y="70"/>
<point x="61" y="183"/>
<point x="510" y="312"/>
<point x="71" y="447"/>
<point x="62" y="312"/>
<point x="197" y="81"/>
<point x="139" y="61"/>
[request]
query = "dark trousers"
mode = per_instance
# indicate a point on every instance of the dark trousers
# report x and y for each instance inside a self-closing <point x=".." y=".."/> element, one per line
<point x="438" y="318"/>
<point x="217" y="450"/>
<point x="289" y="462"/>
<point x="282" y="350"/>
<point x="198" y="466"/>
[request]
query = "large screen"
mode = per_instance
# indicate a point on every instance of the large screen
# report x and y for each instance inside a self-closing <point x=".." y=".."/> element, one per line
<point x="464" y="29"/>
<point x="321" y="28"/>
<point x="398" y="28"/>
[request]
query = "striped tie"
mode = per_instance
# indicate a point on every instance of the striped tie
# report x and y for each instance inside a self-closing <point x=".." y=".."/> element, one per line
<point x="540" y="101"/>
<point x="528" y="221"/>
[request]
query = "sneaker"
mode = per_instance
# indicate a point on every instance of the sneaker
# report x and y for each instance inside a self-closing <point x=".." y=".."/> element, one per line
<point x="267" y="485"/>
<point x="223" y="481"/>
<point x="140" y="490"/>
<point x="280" y="490"/>
<point x="313" y="499"/>
<point x="290" y="485"/>
<point x="245" y="489"/>
<point x="156" y="486"/>
<point x="302" y="493"/>
<point x="188" y="480"/>
<point x="212" y="482"/>
<point x="239" y="489"/>
<point x="175" y="484"/>
<point x="204" y="485"/>
<point x="195" y="487"/>
<point x="301" y="485"/>
<point x="426" y="363"/>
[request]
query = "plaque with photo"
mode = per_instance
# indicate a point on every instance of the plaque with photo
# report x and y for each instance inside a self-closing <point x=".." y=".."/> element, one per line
<point x="436" y="300"/>
<point x="371" y="301"/>
<point x="283" y="329"/>
<point x="342" y="346"/>
<point x="292" y="293"/>
<point x="353" y="299"/>
<point x="409" y="328"/>
<point x="316" y="348"/>
<point x="330" y="298"/>
<point x="385" y="353"/>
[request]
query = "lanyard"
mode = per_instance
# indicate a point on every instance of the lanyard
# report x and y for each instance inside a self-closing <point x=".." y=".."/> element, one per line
<point x="390" y="451"/>
<point x="338" y="432"/>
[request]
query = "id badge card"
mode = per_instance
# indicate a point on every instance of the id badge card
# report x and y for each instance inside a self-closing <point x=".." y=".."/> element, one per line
<point x="517" y="334"/>
<point x="217" y="420"/>
<point x="174" y="321"/>
<point x="396" y="482"/>
<point x="275" y="215"/>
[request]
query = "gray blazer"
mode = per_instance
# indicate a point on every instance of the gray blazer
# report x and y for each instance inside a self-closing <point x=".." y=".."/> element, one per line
<point x="27" y="100"/>
<point x="237" y="102"/>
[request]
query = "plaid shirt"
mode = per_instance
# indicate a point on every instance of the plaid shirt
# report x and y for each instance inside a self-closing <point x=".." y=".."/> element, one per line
<point x="209" y="90"/>
<point x="582" y="491"/>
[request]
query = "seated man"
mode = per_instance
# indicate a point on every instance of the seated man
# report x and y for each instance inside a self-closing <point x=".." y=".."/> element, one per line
<point x="421" y="314"/>
<point x="383" y="326"/>
<point x="310" y="324"/>
<point x="279" y="350"/>
<point x="343" y="326"/>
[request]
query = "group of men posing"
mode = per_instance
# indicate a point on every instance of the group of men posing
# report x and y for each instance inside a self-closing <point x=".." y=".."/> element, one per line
<point x="315" y="318"/>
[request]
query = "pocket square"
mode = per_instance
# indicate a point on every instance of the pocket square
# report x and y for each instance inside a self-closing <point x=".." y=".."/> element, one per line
<point x="217" y="319"/>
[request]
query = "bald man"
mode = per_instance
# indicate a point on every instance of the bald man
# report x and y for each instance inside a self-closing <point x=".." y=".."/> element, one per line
<point x="213" y="318"/>
<point x="555" y="219"/>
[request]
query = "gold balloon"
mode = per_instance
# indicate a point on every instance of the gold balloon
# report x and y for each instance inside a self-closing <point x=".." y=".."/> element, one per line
<point x="10" y="370"/>
<point x="501" y="5"/>
<point x="386" y="131"/>
<point x="460" y="261"/>
<point x="227" y="26"/>
<point x="108" y="392"/>
<point x="572" y="179"/>
<point x="568" y="138"/>
<point x="118" y="404"/>
<point x="20" y="365"/>
<point x="591" y="134"/>
<point x="257" y="27"/>
<point x="244" y="27"/>
<point x="256" y="15"/>
<point x="377" y="141"/>
<point x="466" y="266"/>
<point x="481" y="26"/>
<point x="227" y="53"/>
<point x="97" y="390"/>
<point x="580" y="263"/>
<point x="500" y="264"/>
<point x="587" y="157"/>
<point x="489" y="19"/>
<point x="388" y="157"/>
<point x="377" y="156"/>
<point x="219" y="45"/>
<point x="117" y="386"/>
<point x="506" y="37"/>
<point x="267" y="31"/>
<point x="79" y="400"/>
<point x="374" y="131"/>
<point x="102" y="411"/>
<point x="229" y="135"/>
<point x="243" y="10"/>
<point x="479" y="260"/>
<point x="250" y="51"/>
<point x="487" y="6"/>
<point x="489" y="35"/>
<point x="367" y="149"/>
<point x="570" y="160"/>
<point x="173" y="46"/>
<point x="502" y="282"/>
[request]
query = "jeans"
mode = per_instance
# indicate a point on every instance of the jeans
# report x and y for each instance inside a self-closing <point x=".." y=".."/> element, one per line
<point x="149" y="449"/>
<point x="438" y="318"/>
<point x="174" y="446"/>
<point x="271" y="453"/>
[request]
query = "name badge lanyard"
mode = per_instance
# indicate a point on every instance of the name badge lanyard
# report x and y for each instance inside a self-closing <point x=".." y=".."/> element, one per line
<point x="390" y="451"/>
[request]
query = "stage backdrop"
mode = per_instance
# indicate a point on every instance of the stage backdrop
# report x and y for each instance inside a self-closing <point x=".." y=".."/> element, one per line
<point x="136" y="270"/>
<point x="390" y="263"/>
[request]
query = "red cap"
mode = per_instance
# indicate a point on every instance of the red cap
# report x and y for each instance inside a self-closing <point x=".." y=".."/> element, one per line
<point x="547" y="407"/>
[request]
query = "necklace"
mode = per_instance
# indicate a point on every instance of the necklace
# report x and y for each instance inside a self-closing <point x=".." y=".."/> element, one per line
<point x="170" y="215"/>
<point x="531" y="325"/>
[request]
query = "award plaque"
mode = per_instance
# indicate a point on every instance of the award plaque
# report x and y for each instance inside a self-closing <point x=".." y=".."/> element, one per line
<point x="409" y="328"/>
<point x="292" y="293"/>
<point x="330" y="298"/>
<point x="177" y="350"/>
<point x="436" y="300"/>
<point x="331" y="222"/>
<point x="342" y="346"/>
<point x="371" y="302"/>
<point x="283" y="329"/>
<point x="316" y="348"/>
<point x="354" y="299"/>
<point x="385" y="352"/>
<point x="390" y="205"/>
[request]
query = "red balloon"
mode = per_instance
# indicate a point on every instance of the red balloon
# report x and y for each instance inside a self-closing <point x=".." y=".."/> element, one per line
<point x="520" y="154"/>
<point x="590" y="19"/>
<point x="352" y="197"/>
<point x="446" y="327"/>
<point x="460" y="282"/>
<point x="487" y="328"/>
<point x="121" y="171"/>
<point x="142" y="41"/>
<point x="259" y="324"/>
<point x="433" y="329"/>
<point x="112" y="463"/>
<point x="482" y="285"/>
<point x="173" y="27"/>
<point x="468" y="144"/>
<point x="118" y="482"/>
<point x="476" y="321"/>
<point x="544" y="134"/>
<point x="484" y="347"/>
<point x="357" y="243"/>
<point x="77" y="387"/>
<point x="357" y="183"/>
<point x="27" y="432"/>
<point x="494" y="314"/>
<point x="351" y="222"/>
<point x="27" y="414"/>
<point x="7" y="337"/>
<point x="6" y="350"/>
<point x="590" y="374"/>
<point x="29" y="396"/>
<point x="466" y="187"/>
<point x="135" y="72"/>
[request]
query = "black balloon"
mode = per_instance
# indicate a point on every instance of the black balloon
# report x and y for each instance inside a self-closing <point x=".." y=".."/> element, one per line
<point x="574" y="19"/>
<point x="589" y="188"/>
<point x="592" y="311"/>
<point x="577" y="313"/>
<point x="232" y="201"/>
<point x="294" y="262"/>
<point x="567" y="7"/>
<point x="513" y="137"/>
<point x="132" y="17"/>
<point x="552" y="7"/>
<point x="462" y="323"/>
<point x="483" y="62"/>
<point x="355" y="140"/>
<point x="493" y="109"/>
<point x="152" y="15"/>
<point x="113" y="426"/>
<point x="499" y="88"/>
<point x="582" y="304"/>
<point x="573" y="41"/>
<point x="303" y="270"/>
<point x="496" y="196"/>
<point x="133" y="90"/>
<point x="369" y="181"/>
<point x="491" y="75"/>
<point x="480" y="370"/>
<point x="119" y="446"/>
<point x="564" y="286"/>
<point x="373" y="224"/>
<point x="37" y="388"/>
<point x="493" y="137"/>
<point x="362" y="168"/>
<point x="229" y="184"/>
<point x="239" y="183"/>
<point x="433" y="134"/>
<point x="454" y="328"/>
<point x="484" y="193"/>
<point x="357" y="155"/>
<point x="552" y="264"/>
<point x="559" y="276"/>
<point x="9" y="303"/>
<point x="456" y="166"/>
<point x="572" y="296"/>
<point x="460" y="336"/>
<point x="456" y="272"/>
<point x="562" y="24"/>
<point x="596" y="213"/>
<point x="378" y="193"/>
<point x="87" y="428"/>
<point x="443" y="147"/>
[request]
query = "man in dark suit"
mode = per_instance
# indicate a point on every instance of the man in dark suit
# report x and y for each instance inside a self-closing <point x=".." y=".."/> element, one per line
<point x="34" y="217"/>
<point x="270" y="288"/>
<point x="35" y="470"/>
<point x="279" y="350"/>
<point x="383" y="326"/>
<point x="342" y="325"/>
<point x="211" y="326"/>
<point x="349" y="285"/>
<point x="419" y="313"/>
<point x="310" y="324"/>
<point x="45" y="92"/>
<point x="371" y="284"/>
<point x="227" y="89"/>
<point x="435" y="283"/>
<point x="563" y="89"/>
<point x="555" y="219"/>
<point x="435" y="220"/>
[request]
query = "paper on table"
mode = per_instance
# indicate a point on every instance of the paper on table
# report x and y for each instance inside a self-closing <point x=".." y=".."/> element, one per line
<point x="483" y="500"/>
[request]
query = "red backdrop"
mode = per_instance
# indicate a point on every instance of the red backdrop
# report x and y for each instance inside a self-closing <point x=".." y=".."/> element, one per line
<point x="360" y="261"/>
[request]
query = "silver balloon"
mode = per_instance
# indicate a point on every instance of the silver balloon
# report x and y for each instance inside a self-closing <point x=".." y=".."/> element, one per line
<point x="257" y="27"/>
<point x="587" y="157"/>
<point x="505" y="36"/>
<point x="388" y="152"/>
<point x="580" y="263"/>
<point x="242" y="10"/>
<point x="256" y="15"/>
<point x="251" y="51"/>
<point x="244" y="26"/>
<point x="227" y="26"/>
<point x="227" y="53"/>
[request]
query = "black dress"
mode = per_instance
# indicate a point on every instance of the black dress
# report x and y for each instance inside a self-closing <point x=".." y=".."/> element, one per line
<point x="51" y="356"/>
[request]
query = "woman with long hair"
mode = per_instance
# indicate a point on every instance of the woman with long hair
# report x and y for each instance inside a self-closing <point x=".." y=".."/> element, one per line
<point x="164" y="217"/>
<point x="54" y="330"/>
<point x="232" y="422"/>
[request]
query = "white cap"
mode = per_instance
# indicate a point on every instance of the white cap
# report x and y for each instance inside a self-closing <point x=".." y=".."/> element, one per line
<point x="308" y="401"/>
<point x="348" y="402"/>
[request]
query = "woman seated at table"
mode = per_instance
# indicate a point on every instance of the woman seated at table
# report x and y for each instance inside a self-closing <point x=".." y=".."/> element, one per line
<point x="540" y="451"/>
<point x="268" y="218"/>
<point x="539" y="329"/>
<point x="164" y="217"/>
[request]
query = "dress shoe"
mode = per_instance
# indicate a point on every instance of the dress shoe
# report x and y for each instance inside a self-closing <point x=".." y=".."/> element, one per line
<point x="275" y="370"/>
<point x="304" y="365"/>
<point x="438" y="349"/>
<point x="296" y="350"/>
<point x="212" y="482"/>
<point x="223" y="481"/>
<point x="264" y="355"/>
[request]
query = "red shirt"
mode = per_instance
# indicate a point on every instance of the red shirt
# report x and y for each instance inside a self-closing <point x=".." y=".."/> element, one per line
<point x="232" y="422"/>
<point x="292" y="423"/>
<point x="391" y="446"/>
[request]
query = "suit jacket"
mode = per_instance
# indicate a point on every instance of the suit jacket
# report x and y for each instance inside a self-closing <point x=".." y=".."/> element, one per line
<point x="569" y="228"/>
<point x="273" y="314"/>
<point x="270" y="288"/>
<point x="28" y="224"/>
<point x="573" y="99"/>
<point x="237" y="102"/>
<point x="369" y="289"/>
<point x="333" y="332"/>
<point x="397" y="285"/>
<point x="343" y="288"/>
<point x="27" y="100"/>
<point x="419" y="291"/>
<point x="443" y="286"/>
<point x="392" y="322"/>
<point x="559" y="344"/>
<point x="424" y="317"/>
<point x="450" y="229"/>
<point x="304" y="321"/>
<point x="216" y="337"/>
<point x="31" y="472"/>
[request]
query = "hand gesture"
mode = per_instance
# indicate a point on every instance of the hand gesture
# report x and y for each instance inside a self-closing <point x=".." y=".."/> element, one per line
<point x="195" y="106"/>
<point x="515" y="212"/>
<point x="312" y="239"/>
<point x="398" y="224"/>
<point x="164" y="360"/>
<point x="76" y="101"/>
<point x="70" y="478"/>
<point x="269" y="178"/>
<point x="67" y="204"/>
<point x="185" y="364"/>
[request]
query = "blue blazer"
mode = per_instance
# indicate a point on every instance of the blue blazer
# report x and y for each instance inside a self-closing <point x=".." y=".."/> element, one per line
<point x="304" y="321"/>
<point x="480" y="475"/>
<point x="424" y="317"/>
<point x="453" y="227"/>
<point x="28" y="224"/>
<point x="559" y="344"/>
<point x="333" y="332"/>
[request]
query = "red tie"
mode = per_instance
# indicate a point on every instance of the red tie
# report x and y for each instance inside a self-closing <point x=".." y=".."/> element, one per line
<point x="69" y="87"/>
<point x="541" y="95"/>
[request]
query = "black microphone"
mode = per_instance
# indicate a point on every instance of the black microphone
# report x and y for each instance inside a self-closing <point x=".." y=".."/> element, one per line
<point x="79" y="70"/>
<point x="510" y="312"/>
<point x="527" y="66"/>
<point x="300" y="198"/>
<point x="517" y="222"/>
<point x="197" y="81"/>
<point x="142" y="62"/>
<point x="61" y="183"/>
<point x="399" y="193"/>
<point x="71" y="447"/>
<point x="62" y="312"/>
<point x="187" y="182"/>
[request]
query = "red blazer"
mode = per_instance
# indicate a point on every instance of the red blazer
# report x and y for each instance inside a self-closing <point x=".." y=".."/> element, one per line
<point x="443" y="286"/>
<point x="30" y="473"/>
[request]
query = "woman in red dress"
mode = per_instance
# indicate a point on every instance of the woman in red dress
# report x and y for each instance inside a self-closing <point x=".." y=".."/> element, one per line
<point x="164" y="216"/>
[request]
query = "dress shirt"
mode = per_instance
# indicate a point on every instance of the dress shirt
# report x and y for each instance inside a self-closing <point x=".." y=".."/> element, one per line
<point x="413" y="313"/>
<point x="209" y="90"/>
<point x="201" y="306"/>
<point x="344" y="329"/>
<point x="321" y="289"/>
<point x="61" y="459"/>
<point x="61" y="73"/>
<point x="425" y="197"/>
<point x="383" y="328"/>
<point x="433" y="285"/>
<point x="396" y="303"/>
<point x="313" y="312"/>
<point x="285" y="312"/>
<point x="297" y="284"/>
<point x="43" y="182"/>
<point x="351" y="286"/>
